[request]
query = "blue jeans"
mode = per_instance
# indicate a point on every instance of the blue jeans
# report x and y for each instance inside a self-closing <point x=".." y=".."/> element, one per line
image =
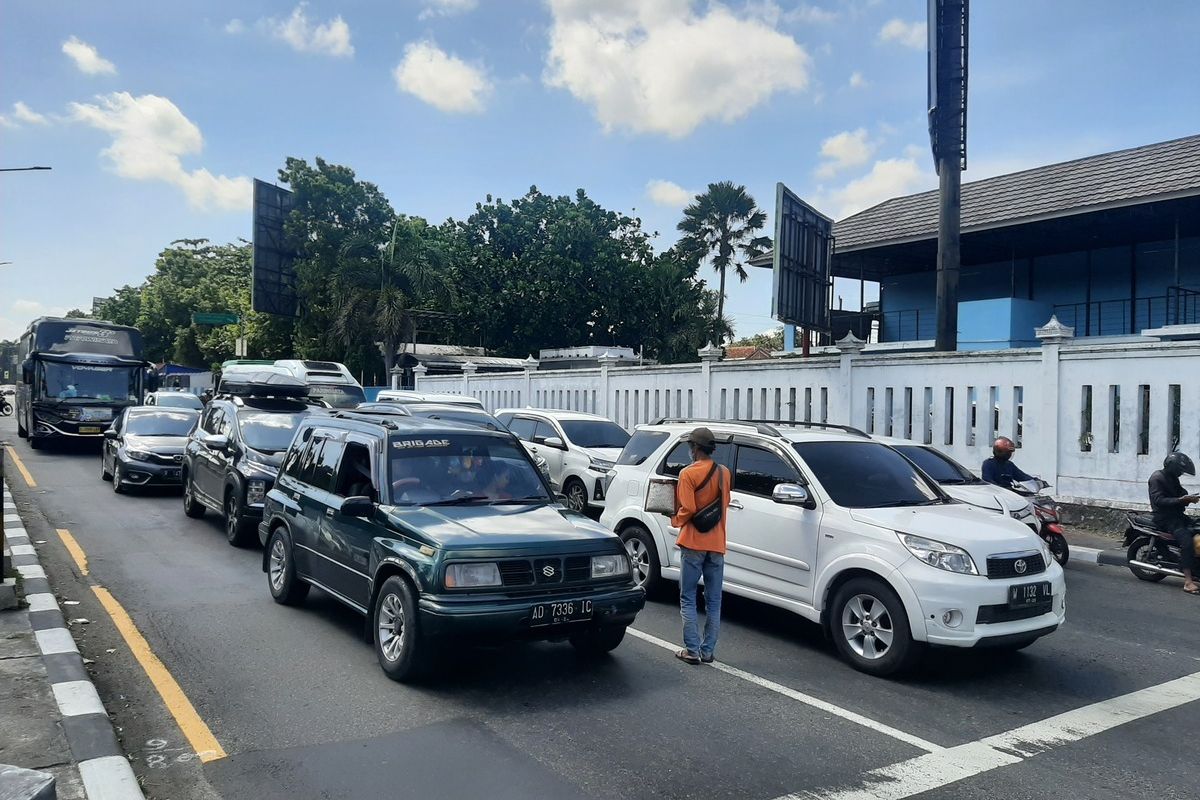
<point x="710" y="566"/>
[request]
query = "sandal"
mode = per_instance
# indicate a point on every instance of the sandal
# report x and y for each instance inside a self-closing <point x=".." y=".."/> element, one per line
<point x="686" y="657"/>
<point x="1193" y="590"/>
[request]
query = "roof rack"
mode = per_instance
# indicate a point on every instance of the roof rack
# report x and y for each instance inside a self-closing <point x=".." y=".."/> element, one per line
<point x="761" y="427"/>
<point x="378" y="417"/>
<point x="800" y="423"/>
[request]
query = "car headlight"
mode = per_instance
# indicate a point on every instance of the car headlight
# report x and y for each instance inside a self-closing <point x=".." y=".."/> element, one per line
<point x="939" y="554"/>
<point x="600" y="464"/>
<point x="1047" y="556"/>
<point x="255" y="491"/>
<point x="139" y="455"/>
<point x="610" y="566"/>
<point x="1023" y="513"/>
<point x="464" y="576"/>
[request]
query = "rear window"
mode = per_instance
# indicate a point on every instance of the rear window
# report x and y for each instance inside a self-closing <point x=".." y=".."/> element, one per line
<point x="641" y="446"/>
<point x="161" y="423"/>
<point x="867" y="475"/>
<point x="338" y="396"/>
<point x="178" y="400"/>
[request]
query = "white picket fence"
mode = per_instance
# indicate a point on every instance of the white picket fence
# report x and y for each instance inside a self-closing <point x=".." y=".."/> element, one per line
<point x="1094" y="419"/>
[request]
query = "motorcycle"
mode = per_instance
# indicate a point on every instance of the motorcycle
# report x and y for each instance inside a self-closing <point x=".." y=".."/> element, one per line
<point x="1046" y="511"/>
<point x="1153" y="553"/>
<point x="5" y="408"/>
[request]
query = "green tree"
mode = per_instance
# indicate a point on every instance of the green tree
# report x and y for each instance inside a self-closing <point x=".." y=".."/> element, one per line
<point x="677" y="312"/>
<point x="771" y="340"/>
<point x="721" y="224"/>
<point x="123" y="307"/>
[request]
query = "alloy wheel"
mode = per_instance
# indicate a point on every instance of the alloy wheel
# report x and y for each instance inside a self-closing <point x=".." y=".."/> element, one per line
<point x="576" y="497"/>
<point x="867" y="626"/>
<point x="231" y="520"/>
<point x="391" y="627"/>
<point x="278" y="564"/>
<point x="639" y="557"/>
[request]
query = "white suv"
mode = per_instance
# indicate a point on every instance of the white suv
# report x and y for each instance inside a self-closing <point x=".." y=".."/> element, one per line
<point x="846" y="532"/>
<point x="580" y="448"/>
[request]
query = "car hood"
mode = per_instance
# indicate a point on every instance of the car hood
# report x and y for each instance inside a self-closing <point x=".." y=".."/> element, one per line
<point x="980" y="534"/>
<point x="987" y="496"/>
<point x="602" y="453"/>
<point x="165" y="445"/>
<point x="503" y="526"/>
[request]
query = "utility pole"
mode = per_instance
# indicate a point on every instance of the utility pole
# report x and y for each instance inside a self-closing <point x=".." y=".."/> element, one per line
<point x="949" y="215"/>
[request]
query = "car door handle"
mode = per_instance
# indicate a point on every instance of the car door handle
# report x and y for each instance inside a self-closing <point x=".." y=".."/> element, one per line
<point x="736" y="504"/>
<point x="329" y="513"/>
<point x="296" y="497"/>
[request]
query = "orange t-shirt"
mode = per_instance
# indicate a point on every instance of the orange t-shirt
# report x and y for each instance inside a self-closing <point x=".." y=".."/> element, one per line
<point x="688" y="501"/>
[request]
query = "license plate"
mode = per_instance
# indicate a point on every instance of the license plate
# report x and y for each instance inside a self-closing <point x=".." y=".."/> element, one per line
<point x="89" y="429"/>
<point x="172" y="473"/>
<point x="560" y="613"/>
<point x="1029" y="594"/>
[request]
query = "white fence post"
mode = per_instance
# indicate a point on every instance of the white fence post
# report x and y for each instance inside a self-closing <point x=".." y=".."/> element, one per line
<point x="531" y="365"/>
<point x="1052" y="336"/>
<point x="607" y="359"/>
<point x="396" y="373"/>
<point x="709" y="354"/>
<point x="849" y="346"/>
<point x="468" y="372"/>
<point x="418" y="374"/>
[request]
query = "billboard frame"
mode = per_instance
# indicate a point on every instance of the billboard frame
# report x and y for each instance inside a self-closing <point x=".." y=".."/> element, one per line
<point x="273" y="272"/>
<point x="802" y="263"/>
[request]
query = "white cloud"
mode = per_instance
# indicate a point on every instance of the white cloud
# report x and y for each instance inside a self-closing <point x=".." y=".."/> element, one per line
<point x="442" y="80"/>
<point x="87" y="58"/>
<point x="331" y="38"/>
<point x="810" y="14"/>
<point x="20" y="313"/>
<point x="888" y="178"/>
<point x="235" y="26"/>
<point x="659" y="66"/>
<point x="149" y="137"/>
<point x="669" y="193"/>
<point x="24" y="113"/>
<point x="843" y="151"/>
<point x="446" y="8"/>
<point x="857" y="81"/>
<point x="909" y="34"/>
<point x="5" y="122"/>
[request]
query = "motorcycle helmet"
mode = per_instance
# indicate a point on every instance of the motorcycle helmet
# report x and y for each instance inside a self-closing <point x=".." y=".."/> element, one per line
<point x="1177" y="464"/>
<point x="1003" y="448"/>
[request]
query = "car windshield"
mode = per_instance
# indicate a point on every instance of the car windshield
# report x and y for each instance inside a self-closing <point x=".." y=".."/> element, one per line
<point x="867" y="475"/>
<point x="338" y="396"/>
<point x="269" y="433"/>
<point x="938" y="466"/>
<point x="594" y="433"/>
<point x="63" y="381"/>
<point x="446" y="469"/>
<point x="161" y="423"/>
<point x="177" y="400"/>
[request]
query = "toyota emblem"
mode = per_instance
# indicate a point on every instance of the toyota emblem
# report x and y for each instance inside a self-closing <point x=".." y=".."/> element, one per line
<point x="1020" y="566"/>
<point x="548" y="571"/>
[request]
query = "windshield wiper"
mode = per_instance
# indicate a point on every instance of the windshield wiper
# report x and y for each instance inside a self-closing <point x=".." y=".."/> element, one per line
<point x="907" y="503"/>
<point x="456" y="501"/>
<point x="530" y="499"/>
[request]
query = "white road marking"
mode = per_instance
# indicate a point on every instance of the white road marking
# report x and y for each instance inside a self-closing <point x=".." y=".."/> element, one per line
<point x="32" y="572"/>
<point x="933" y="771"/>
<point x="77" y="697"/>
<point x="41" y="601"/>
<point x="821" y="705"/>
<point x="109" y="778"/>
<point x="23" y="550"/>
<point x="55" y="640"/>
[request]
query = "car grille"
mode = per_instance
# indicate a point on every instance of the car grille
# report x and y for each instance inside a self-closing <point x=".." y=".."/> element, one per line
<point x="518" y="572"/>
<point x="166" y="459"/>
<point x="1002" y="613"/>
<point x="1006" y="566"/>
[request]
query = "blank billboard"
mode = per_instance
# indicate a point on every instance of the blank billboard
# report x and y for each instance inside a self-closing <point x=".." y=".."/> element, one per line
<point x="273" y="290"/>
<point x="803" y="261"/>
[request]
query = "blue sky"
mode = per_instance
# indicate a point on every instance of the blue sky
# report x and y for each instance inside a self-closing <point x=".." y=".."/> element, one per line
<point x="155" y="115"/>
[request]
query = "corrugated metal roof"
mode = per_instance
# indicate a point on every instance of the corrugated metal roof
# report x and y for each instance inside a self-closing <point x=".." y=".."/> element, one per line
<point x="1124" y="177"/>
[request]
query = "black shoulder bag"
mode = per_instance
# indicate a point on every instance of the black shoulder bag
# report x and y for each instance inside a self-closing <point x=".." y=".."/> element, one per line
<point x="707" y="518"/>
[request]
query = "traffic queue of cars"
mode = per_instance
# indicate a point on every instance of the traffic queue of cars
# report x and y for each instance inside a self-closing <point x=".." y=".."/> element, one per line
<point x="438" y="521"/>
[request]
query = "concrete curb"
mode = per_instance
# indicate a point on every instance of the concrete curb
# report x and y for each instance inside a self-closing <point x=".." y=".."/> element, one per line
<point x="103" y="767"/>
<point x="1103" y="558"/>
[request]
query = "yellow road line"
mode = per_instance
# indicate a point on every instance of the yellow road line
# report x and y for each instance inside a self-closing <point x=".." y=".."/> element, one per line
<point x="194" y="728"/>
<point x="21" y="467"/>
<point x="74" y="549"/>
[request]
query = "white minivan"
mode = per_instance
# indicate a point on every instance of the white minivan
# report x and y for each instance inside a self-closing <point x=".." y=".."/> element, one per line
<point x="846" y="532"/>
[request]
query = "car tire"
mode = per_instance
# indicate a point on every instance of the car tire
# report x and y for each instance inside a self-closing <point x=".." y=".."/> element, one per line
<point x="191" y="506"/>
<point x="1138" y="551"/>
<point x="598" y="642"/>
<point x="870" y="627"/>
<point x="35" y="443"/>
<point x="117" y="481"/>
<point x="287" y="588"/>
<point x="643" y="557"/>
<point x="105" y="475"/>
<point x="576" y="494"/>
<point x="403" y="653"/>
<point x="237" y="531"/>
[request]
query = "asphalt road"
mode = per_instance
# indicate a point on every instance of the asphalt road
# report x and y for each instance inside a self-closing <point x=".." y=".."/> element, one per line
<point x="295" y="698"/>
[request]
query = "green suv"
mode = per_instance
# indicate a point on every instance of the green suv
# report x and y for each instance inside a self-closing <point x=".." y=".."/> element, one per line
<point x="439" y="530"/>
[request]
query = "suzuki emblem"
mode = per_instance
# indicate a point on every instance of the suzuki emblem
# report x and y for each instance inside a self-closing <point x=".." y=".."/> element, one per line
<point x="548" y="571"/>
<point x="1020" y="566"/>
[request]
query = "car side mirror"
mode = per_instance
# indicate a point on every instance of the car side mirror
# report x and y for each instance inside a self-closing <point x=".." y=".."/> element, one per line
<point x="215" y="441"/>
<point x="111" y="434"/>
<point x="555" y="442"/>
<point x="792" y="494"/>
<point x="361" y="507"/>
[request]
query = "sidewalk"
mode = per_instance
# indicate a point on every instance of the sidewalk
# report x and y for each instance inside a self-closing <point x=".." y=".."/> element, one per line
<point x="51" y="717"/>
<point x="1093" y="548"/>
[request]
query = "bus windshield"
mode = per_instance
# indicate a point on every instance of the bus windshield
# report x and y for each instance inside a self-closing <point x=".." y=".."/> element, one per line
<point x="67" y="382"/>
<point x="338" y="396"/>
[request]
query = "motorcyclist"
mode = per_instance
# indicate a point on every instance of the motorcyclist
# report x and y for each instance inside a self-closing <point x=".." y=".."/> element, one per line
<point x="1168" y="499"/>
<point x="1000" y="469"/>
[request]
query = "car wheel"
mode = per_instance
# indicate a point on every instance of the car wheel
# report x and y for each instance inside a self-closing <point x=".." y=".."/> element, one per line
<point x="117" y="484"/>
<point x="870" y="627"/>
<point x="403" y="653"/>
<point x="286" y="587"/>
<point x="34" y="442"/>
<point x="577" y="496"/>
<point x="1142" y="550"/>
<point x="643" y="557"/>
<point x="191" y="506"/>
<point x="598" y="641"/>
<point x="105" y="475"/>
<point x="236" y="529"/>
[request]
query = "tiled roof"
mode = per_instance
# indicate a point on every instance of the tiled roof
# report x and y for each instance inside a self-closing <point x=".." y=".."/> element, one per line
<point x="1124" y="177"/>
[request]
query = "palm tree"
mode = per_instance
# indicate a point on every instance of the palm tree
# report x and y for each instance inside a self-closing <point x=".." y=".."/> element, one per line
<point x="379" y="287"/>
<point x="721" y="224"/>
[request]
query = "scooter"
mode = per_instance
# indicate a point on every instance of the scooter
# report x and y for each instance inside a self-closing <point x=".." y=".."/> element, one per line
<point x="5" y="408"/>
<point x="1049" y="523"/>
<point x="1153" y="553"/>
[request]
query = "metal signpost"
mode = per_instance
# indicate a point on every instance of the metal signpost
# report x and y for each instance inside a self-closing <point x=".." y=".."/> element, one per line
<point x="948" y="139"/>
<point x="803" y="260"/>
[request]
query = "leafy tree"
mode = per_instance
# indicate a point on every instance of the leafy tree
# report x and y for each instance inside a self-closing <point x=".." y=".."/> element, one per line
<point x="678" y="312"/>
<point x="721" y="224"/>
<point x="123" y="307"/>
<point x="771" y="340"/>
<point x="78" y="313"/>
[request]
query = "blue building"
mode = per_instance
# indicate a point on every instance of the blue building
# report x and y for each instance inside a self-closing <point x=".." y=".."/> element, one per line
<point x="1110" y="244"/>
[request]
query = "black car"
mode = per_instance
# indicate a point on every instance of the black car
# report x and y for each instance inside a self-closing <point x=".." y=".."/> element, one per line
<point x="232" y="456"/>
<point x="144" y="447"/>
<point x="438" y="530"/>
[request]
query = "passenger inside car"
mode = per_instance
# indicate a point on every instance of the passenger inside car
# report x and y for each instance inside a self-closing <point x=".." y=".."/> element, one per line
<point x="355" y="479"/>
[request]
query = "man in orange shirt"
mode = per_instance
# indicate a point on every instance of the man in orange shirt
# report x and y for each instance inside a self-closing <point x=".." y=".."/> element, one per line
<point x="701" y="484"/>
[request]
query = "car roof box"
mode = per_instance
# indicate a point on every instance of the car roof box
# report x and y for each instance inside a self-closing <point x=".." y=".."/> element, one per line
<point x="263" y="384"/>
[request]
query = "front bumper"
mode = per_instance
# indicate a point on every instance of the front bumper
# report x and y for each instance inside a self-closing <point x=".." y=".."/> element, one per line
<point x="509" y="618"/>
<point x="595" y="487"/>
<point x="939" y="592"/>
<point x="149" y="473"/>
